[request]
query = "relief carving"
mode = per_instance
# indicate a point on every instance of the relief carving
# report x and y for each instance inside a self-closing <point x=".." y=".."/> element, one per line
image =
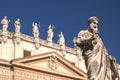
<point x="17" y="38"/>
<point x="37" y="45"/>
<point x="4" y="39"/>
<point x="52" y="63"/>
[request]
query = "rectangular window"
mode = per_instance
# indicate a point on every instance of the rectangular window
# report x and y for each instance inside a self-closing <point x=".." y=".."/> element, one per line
<point x="27" y="53"/>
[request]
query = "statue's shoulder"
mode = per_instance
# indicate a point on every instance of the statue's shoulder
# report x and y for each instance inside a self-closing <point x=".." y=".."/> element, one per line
<point x="83" y="32"/>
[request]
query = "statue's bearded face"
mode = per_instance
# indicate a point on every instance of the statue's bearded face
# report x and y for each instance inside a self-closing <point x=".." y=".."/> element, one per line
<point x="94" y="26"/>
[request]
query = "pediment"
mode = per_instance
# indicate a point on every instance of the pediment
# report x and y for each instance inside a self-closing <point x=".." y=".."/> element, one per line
<point x="50" y="62"/>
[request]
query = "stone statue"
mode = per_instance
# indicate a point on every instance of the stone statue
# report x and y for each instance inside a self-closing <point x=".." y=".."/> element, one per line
<point x="17" y="25"/>
<point x="5" y="23"/>
<point x="50" y="33"/>
<point x="61" y="40"/>
<point x="100" y="65"/>
<point x="35" y="30"/>
<point x="74" y="42"/>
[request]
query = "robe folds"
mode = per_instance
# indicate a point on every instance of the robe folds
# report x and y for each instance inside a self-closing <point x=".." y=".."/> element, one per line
<point x="100" y="65"/>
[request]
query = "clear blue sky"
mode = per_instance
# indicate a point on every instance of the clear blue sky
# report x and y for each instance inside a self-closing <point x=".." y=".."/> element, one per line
<point x="68" y="16"/>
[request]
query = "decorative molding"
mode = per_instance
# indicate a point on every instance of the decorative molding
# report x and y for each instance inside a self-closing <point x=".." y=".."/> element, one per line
<point x="4" y="39"/>
<point x="4" y="36"/>
<point x="32" y="39"/>
<point x="27" y="38"/>
<point x="52" y="63"/>
<point x="26" y="74"/>
<point x="37" y="45"/>
<point x="17" y="38"/>
<point x="6" y="72"/>
<point x="63" y="52"/>
<point x="4" y="33"/>
<point x="53" y="67"/>
<point x="4" y="77"/>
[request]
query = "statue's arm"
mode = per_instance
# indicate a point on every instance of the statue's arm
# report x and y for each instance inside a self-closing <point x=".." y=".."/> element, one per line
<point x="2" y="21"/>
<point x="83" y="37"/>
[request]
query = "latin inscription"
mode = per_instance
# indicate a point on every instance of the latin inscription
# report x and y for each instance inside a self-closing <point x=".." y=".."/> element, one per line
<point x="37" y="76"/>
<point x="6" y="72"/>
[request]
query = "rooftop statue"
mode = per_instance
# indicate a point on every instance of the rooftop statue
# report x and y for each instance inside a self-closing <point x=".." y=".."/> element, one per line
<point x="5" y="23"/>
<point x="35" y="30"/>
<point x="74" y="41"/>
<point x="100" y="65"/>
<point x="50" y="33"/>
<point x="17" y="25"/>
<point x="61" y="40"/>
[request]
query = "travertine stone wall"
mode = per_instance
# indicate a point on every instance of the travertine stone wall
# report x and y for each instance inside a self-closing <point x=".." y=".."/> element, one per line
<point x="12" y="46"/>
<point x="5" y="73"/>
<point x="23" y="74"/>
<point x="7" y="50"/>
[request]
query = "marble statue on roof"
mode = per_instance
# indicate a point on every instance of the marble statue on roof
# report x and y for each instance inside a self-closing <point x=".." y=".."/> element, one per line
<point x="50" y="33"/>
<point x="61" y="40"/>
<point x="5" y="23"/>
<point x="17" y="25"/>
<point x="35" y="30"/>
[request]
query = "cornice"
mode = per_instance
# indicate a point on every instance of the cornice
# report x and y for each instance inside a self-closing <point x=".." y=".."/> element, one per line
<point x="21" y="63"/>
<point x="42" y="42"/>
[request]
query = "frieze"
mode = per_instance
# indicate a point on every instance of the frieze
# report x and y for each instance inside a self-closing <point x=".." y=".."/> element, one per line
<point x="6" y="72"/>
<point x="26" y="37"/>
<point x="41" y="42"/>
<point x="4" y="77"/>
<point x="37" y="76"/>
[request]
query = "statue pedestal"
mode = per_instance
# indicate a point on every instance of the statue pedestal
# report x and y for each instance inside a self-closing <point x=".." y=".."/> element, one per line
<point x="36" y="40"/>
<point x="62" y="47"/>
<point x="17" y="34"/>
<point x="50" y="43"/>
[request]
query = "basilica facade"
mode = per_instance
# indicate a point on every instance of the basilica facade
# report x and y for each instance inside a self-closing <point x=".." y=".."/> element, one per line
<point x="24" y="57"/>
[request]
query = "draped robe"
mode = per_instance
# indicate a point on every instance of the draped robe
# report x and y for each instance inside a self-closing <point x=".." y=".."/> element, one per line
<point x="100" y="65"/>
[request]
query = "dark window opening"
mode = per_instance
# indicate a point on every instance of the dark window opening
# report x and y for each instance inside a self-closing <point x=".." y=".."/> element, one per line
<point x="27" y="53"/>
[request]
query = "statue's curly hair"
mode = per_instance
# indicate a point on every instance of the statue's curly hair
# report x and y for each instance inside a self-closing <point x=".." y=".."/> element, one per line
<point x="92" y="19"/>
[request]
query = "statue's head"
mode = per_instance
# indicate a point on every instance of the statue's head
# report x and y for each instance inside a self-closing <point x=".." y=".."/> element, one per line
<point x="5" y="17"/>
<point x="93" y="24"/>
<point x="61" y="34"/>
<point x="49" y="27"/>
<point x="35" y="24"/>
<point x="18" y="19"/>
